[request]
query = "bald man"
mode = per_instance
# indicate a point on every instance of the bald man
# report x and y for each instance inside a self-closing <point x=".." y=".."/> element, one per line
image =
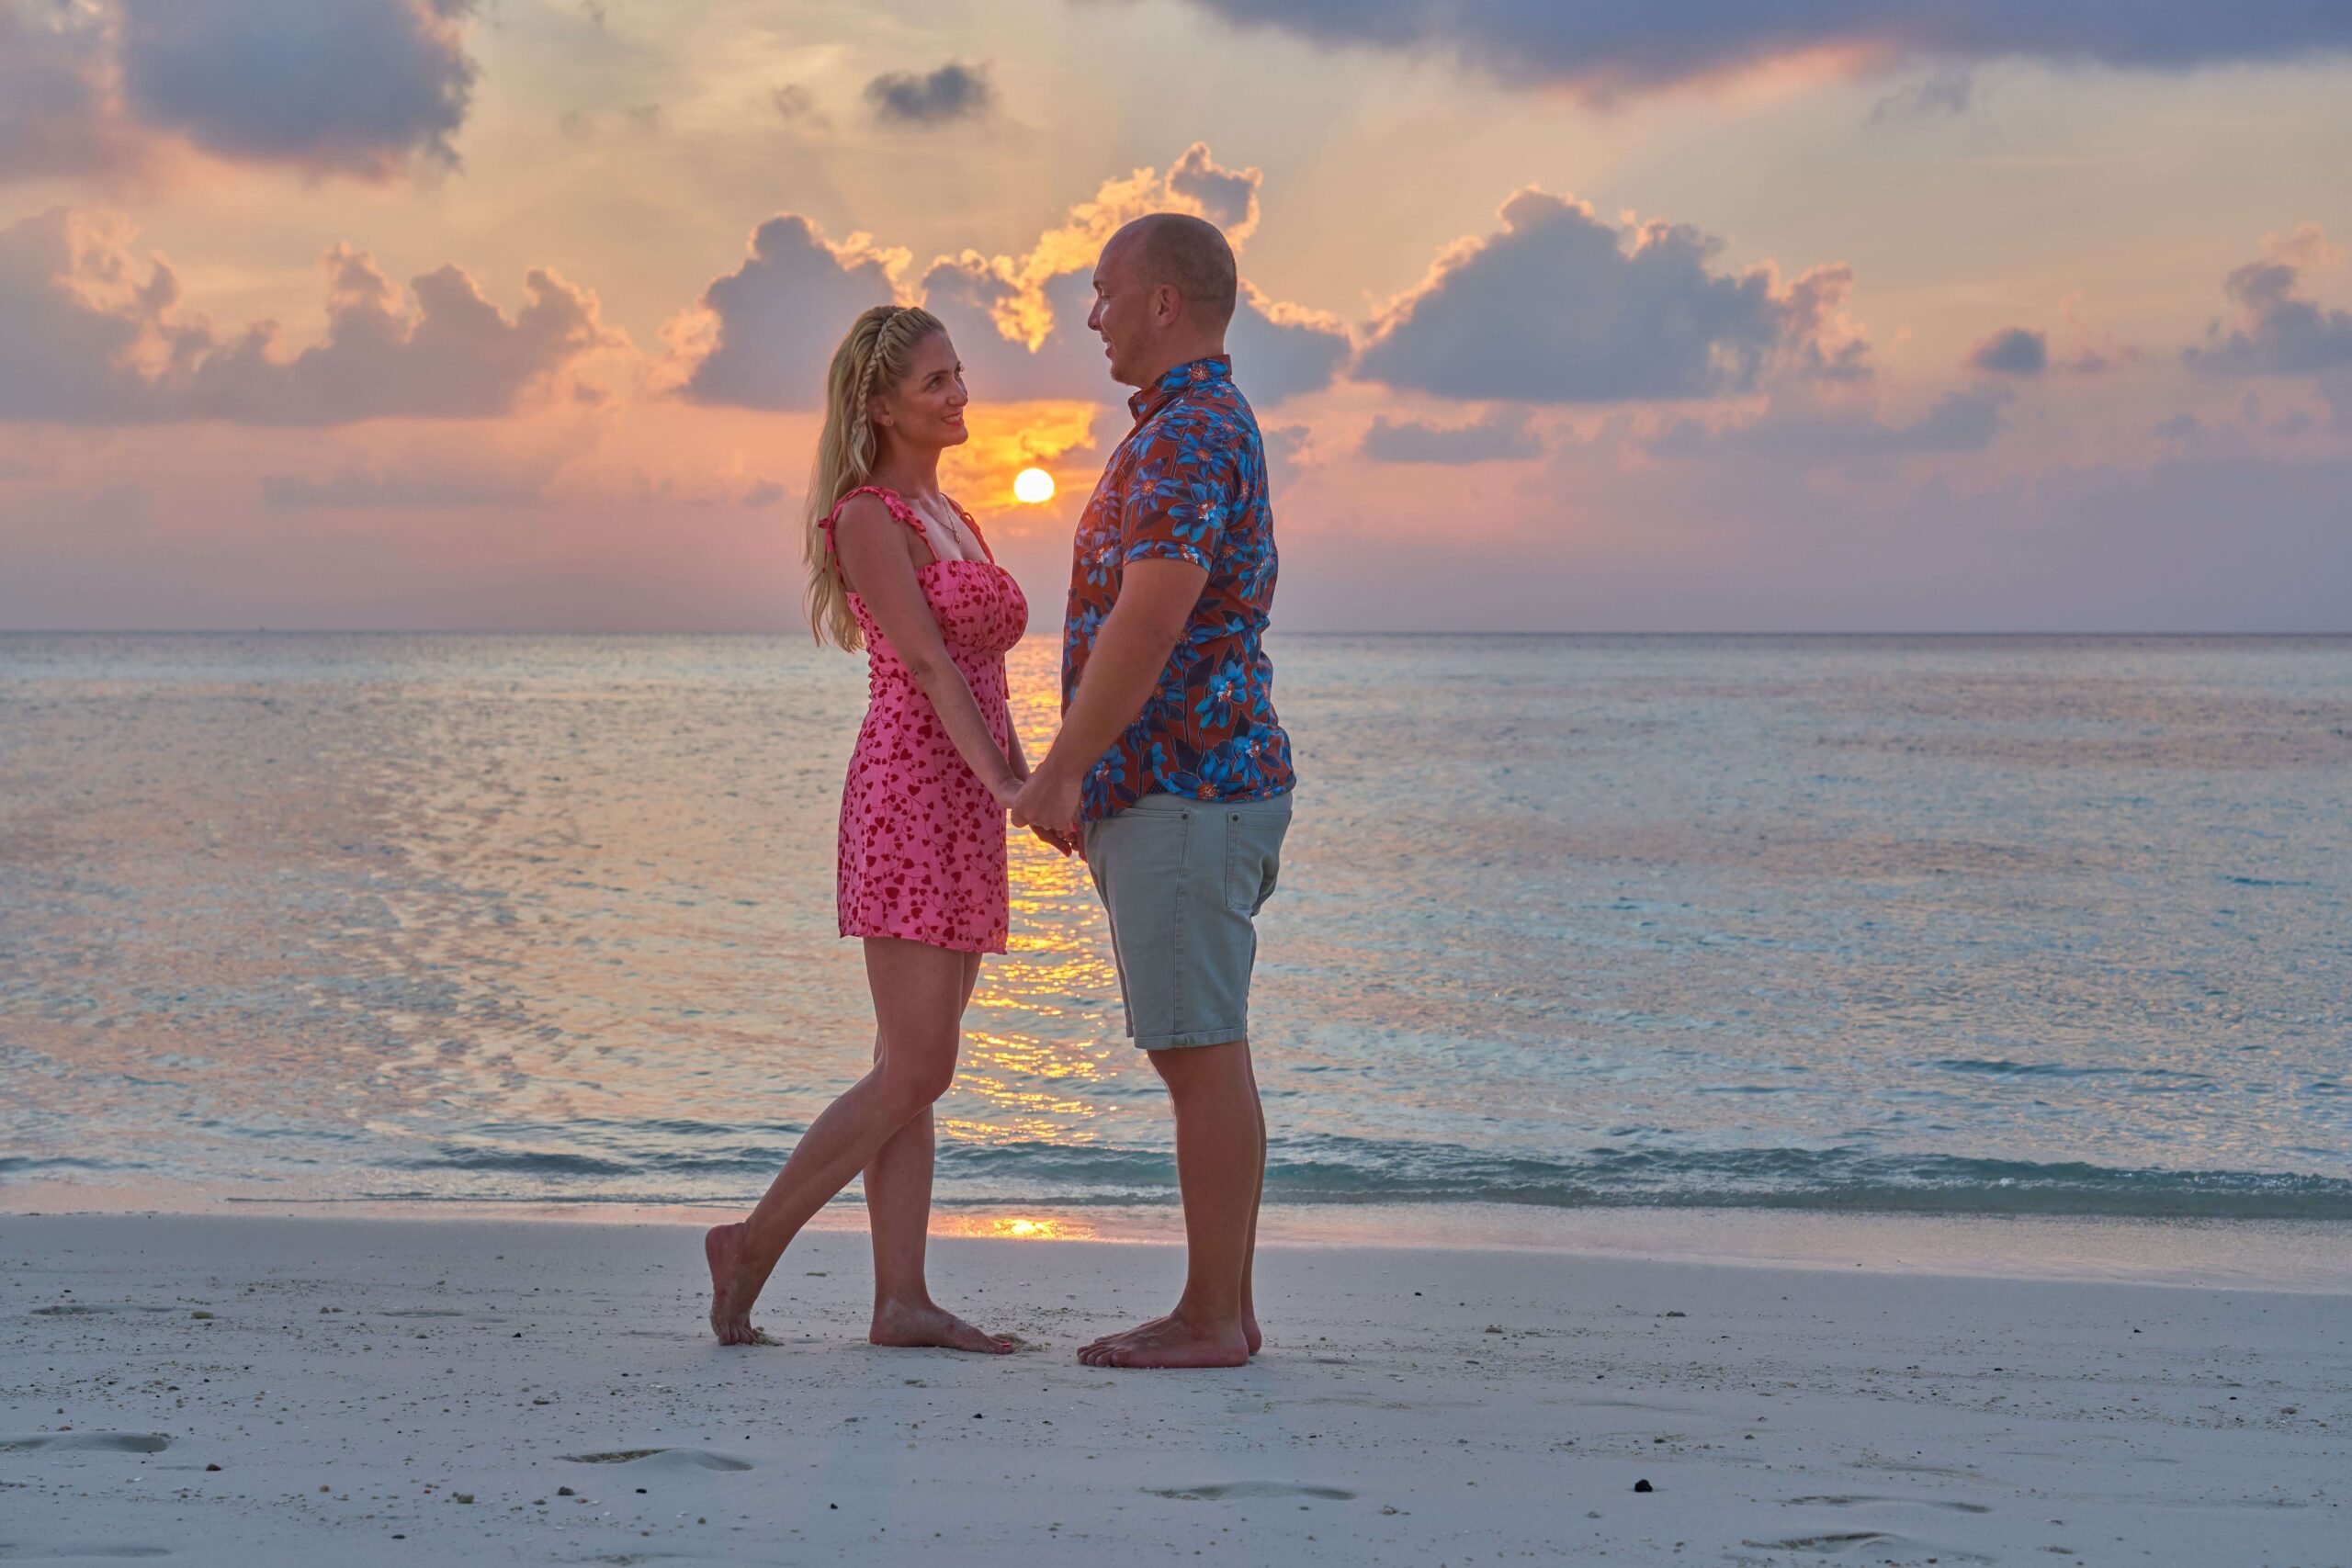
<point x="1171" y="767"/>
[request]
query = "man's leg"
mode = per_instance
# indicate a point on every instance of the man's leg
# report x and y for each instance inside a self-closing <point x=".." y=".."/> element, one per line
<point x="1250" y="1329"/>
<point x="1219" y="1160"/>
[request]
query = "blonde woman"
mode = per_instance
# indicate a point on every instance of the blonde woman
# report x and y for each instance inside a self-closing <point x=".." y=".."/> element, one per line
<point x="898" y="568"/>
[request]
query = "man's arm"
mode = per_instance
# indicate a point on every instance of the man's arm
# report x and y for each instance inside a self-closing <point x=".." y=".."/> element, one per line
<point x="1155" y="599"/>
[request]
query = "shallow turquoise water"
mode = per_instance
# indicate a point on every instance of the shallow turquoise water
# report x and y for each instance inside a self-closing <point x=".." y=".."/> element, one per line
<point x="1985" y="925"/>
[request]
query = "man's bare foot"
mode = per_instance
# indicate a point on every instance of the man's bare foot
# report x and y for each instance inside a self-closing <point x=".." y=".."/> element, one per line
<point x="722" y="1247"/>
<point x="1250" y="1336"/>
<point x="1170" y="1341"/>
<point x="926" y="1324"/>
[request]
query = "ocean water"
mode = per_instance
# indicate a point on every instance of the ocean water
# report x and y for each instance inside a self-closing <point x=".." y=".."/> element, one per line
<point x="1972" y="925"/>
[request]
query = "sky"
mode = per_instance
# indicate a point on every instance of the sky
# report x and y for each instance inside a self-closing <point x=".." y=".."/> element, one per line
<point x="1704" y="315"/>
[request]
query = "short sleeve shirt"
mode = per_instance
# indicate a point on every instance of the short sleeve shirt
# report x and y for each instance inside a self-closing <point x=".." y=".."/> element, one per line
<point x="1188" y="483"/>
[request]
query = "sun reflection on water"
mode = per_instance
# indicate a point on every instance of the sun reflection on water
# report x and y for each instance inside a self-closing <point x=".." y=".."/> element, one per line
<point x="1016" y="1227"/>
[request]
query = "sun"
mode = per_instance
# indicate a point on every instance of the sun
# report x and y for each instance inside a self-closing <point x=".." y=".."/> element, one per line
<point x="1032" y="485"/>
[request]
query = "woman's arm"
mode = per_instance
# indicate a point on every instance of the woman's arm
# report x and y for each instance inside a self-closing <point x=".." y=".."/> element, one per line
<point x="877" y="555"/>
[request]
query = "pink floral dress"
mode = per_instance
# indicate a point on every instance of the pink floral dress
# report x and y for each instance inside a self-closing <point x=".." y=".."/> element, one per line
<point x="921" y="839"/>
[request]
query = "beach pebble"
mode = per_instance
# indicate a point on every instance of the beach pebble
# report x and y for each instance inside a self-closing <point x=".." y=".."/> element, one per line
<point x="208" y="1314"/>
<point x="212" y="1467"/>
<point x="461" y="1497"/>
<point x="1643" y="1487"/>
<point x="565" y="1492"/>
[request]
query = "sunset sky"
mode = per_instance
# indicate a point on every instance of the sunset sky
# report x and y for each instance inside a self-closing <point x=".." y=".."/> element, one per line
<point x="1861" y="314"/>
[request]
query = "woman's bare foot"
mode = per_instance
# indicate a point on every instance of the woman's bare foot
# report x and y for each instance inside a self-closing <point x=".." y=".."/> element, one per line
<point x="926" y="1324"/>
<point x="1250" y="1331"/>
<point x="722" y="1247"/>
<point x="1170" y="1341"/>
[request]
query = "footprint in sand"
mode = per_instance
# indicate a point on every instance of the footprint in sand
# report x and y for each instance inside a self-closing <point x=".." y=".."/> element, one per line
<point x="1839" y="1501"/>
<point x="1217" y="1491"/>
<point x="1821" y="1543"/>
<point x="655" y="1460"/>
<point x="80" y="1554"/>
<point x="1904" y="1549"/>
<point x="79" y="1309"/>
<point x="99" y="1442"/>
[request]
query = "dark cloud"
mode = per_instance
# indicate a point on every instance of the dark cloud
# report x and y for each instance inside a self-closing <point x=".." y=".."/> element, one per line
<point x="2278" y="333"/>
<point x="1495" y="436"/>
<point x="1226" y="197"/>
<point x="1558" y="309"/>
<point x="1601" y="50"/>
<point x="2014" y="351"/>
<point x="366" y="88"/>
<point x="1280" y="351"/>
<point x="54" y="116"/>
<point x="768" y="331"/>
<point x="795" y="104"/>
<point x="952" y="92"/>
<point x="86" y="339"/>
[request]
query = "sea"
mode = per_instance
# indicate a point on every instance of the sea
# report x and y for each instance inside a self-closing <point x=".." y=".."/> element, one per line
<point x="1608" y="926"/>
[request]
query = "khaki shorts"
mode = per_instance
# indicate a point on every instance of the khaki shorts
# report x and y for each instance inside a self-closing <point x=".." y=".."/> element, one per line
<point x="1181" y="881"/>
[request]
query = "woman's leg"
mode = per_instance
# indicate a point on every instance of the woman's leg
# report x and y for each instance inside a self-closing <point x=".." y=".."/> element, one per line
<point x="919" y="993"/>
<point x="897" y="1209"/>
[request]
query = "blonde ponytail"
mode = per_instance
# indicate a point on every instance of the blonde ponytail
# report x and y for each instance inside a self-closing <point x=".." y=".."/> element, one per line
<point x="872" y="358"/>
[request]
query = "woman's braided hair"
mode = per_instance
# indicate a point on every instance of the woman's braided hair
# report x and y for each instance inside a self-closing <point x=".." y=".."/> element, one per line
<point x="873" y="358"/>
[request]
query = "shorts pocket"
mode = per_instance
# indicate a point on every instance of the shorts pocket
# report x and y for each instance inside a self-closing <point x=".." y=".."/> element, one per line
<point x="1252" y="858"/>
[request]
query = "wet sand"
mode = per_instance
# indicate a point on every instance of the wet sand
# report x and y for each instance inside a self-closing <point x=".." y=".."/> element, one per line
<point x="426" y="1391"/>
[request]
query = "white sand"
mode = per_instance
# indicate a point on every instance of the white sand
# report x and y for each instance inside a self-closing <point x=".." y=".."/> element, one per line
<point x="354" y="1377"/>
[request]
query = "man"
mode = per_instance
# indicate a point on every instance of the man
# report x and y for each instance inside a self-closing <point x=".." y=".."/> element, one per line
<point x="1170" y="761"/>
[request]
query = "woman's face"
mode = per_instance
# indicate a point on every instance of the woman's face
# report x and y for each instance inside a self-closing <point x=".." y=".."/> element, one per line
<point x="926" y="410"/>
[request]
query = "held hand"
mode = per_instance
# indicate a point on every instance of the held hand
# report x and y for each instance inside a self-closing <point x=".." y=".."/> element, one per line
<point x="1006" y="790"/>
<point x="1065" y="843"/>
<point x="1048" y="801"/>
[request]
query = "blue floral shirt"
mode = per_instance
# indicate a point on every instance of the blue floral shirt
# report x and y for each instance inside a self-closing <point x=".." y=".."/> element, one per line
<point x="1188" y="483"/>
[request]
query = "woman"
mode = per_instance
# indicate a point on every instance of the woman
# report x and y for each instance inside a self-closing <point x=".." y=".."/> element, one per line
<point x="896" y="568"/>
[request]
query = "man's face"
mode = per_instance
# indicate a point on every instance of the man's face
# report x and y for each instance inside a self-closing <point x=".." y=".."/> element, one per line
<point x="1122" y="314"/>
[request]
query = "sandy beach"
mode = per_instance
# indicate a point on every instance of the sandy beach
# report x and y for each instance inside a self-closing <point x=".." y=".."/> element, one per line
<point x="272" y="1390"/>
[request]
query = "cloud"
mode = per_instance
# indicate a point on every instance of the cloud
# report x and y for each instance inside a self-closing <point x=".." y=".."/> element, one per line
<point x="796" y="105"/>
<point x="1561" y="307"/>
<point x="953" y="92"/>
<point x="1604" y="51"/>
<point x="2013" y="351"/>
<point x="1496" y="435"/>
<point x="433" y="477"/>
<point x="762" y="335"/>
<point x="56" y="116"/>
<point x="370" y="89"/>
<point x="86" y="338"/>
<point x="1944" y="92"/>
<point x="1283" y="351"/>
<point x="1226" y="197"/>
<point x="2278" y="332"/>
<point x="2304" y="245"/>
<point x="1800" y="430"/>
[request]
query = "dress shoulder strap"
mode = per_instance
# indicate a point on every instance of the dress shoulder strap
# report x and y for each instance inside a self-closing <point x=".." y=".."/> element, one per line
<point x="889" y="497"/>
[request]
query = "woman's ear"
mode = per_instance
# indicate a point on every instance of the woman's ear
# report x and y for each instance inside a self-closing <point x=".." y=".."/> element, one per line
<point x="878" y="412"/>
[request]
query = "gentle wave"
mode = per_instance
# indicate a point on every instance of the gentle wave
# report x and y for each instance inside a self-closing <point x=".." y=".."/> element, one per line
<point x="1335" y="1170"/>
